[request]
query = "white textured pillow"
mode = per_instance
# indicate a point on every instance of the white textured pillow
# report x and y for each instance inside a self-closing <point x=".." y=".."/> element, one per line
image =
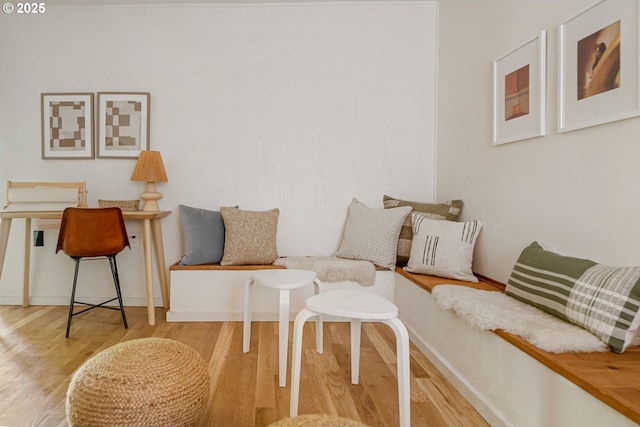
<point x="443" y="248"/>
<point x="372" y="234"/>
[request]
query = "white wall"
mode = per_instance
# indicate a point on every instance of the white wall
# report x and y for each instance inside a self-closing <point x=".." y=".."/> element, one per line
<point x="576" y="192"/>
<point x="296" y="106"/>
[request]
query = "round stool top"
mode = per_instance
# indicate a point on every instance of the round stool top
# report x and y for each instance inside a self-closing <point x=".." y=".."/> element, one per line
<point x="285" y="278"/>
<point x="352" y="303"/>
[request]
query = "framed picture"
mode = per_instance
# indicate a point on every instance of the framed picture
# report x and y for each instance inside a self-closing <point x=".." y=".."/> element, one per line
<point x="67" y="125"/>
<point x="123" y="124"/>
<point x="598" y="65"/>
<point x="519" y="85"/>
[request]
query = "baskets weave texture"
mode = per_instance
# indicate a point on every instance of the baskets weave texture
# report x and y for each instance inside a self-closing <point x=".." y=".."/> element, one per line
<point x="124" y="205"/>
<point x="316" y="420"/>
<point x="142" y="382"/>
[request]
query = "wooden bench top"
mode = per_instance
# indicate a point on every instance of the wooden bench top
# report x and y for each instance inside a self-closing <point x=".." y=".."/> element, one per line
<point x="610" y="377"/>
<point x="178" y="267"/>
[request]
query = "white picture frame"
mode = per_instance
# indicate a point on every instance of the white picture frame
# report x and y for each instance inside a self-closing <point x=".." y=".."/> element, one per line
<point x="598" y="65"/>
<point x="519" y="92"/>
<point x="67" y="125"/>
<point x="123" y="124"/>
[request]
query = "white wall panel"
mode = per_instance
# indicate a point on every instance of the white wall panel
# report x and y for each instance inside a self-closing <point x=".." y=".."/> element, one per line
<point x="576" y="192"/>
<point x="296" y="106"/>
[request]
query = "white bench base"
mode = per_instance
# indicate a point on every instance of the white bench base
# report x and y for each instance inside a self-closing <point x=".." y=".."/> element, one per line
<point x="218" y="295"/>
<point x="504" y="384"/>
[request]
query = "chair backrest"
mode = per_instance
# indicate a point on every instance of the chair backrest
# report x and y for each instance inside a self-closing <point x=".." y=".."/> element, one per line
<point x="91" y="232"/>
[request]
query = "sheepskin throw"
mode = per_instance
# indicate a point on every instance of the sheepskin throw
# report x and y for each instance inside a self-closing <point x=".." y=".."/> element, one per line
<point x="491" y="310"/>
<point x="333" y="269"/>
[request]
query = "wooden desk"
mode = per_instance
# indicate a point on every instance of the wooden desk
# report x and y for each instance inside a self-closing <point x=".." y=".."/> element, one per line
<point x="152" y="231"/>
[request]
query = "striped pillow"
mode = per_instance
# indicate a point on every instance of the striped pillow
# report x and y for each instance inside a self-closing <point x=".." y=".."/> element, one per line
<point x="443" y="248"/>
<point x="603" y="300"/>
<point x="449" y="210"/>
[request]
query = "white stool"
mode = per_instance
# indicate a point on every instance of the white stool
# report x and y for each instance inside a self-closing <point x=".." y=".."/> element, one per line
<point x="283" y="280"/>
<point x="357" y="305"/>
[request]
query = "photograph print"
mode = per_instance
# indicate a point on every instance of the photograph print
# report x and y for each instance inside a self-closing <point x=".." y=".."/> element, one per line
<point x="598" y="65"/>
<point x="519" y="85"/>
<point x="599" y="61"/>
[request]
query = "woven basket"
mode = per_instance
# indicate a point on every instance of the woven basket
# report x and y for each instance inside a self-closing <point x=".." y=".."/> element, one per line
<point x="143" y="382"/>
<point x="316" y="420"/>
<point x="124" y="205"/>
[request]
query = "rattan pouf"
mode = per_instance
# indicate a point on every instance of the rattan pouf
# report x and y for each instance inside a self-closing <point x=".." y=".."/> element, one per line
<point x="316" y="420"/>
<point x="143" y="382"/>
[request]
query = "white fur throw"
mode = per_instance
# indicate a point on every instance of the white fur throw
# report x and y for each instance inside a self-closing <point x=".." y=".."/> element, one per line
<point x="494" y="310"/>
<point x="333" y="269"/>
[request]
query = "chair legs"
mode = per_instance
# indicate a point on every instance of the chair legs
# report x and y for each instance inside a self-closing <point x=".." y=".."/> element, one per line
<point x="116" y="281"/>
<point x="73" y="296"/>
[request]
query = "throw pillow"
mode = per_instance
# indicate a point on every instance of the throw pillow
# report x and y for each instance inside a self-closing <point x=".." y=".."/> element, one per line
<point x="443" y="248"/>
<point x="250" y="236"/>
<point x="447" y="210"/>
<point x="372" y="234"/>
<point x="203" y="235"/>
<point x="603" y="300"/>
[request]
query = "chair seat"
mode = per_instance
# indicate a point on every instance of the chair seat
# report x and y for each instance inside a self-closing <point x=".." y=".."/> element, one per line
<point x="352" y="303"/>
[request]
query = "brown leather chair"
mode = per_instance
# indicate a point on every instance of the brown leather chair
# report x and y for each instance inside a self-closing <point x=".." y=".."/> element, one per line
<point x="92" y="233"/>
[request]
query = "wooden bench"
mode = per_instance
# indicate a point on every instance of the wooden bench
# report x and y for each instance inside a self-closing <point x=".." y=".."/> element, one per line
<point x="611" y="378"/>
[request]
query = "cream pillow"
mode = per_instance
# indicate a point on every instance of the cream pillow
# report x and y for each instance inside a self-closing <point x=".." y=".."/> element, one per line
<point x="250" y="236"/>
<point x="443" y="248"/>
<point x="372" y="234"/>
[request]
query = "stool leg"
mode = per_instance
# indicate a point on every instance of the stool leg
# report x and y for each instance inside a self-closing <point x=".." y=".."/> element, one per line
<point x="402" y="350"/>
<point x="355" y="350"/>
<point x="296" y="358"/>
<point x="319" y="331"/>
<point x="246" y="330"/>
<point x="283" y="336"/>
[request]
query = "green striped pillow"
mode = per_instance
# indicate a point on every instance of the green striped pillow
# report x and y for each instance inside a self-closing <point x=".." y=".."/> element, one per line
<point x="603" y="300"/>
<point x="449" y="210"/>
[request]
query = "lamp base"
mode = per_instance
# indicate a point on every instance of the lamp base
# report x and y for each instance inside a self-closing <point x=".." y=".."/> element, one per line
<point x="150" y="198"/>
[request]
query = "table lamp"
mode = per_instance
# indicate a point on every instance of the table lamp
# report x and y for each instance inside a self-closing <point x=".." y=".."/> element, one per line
<point x="150" y="169"/>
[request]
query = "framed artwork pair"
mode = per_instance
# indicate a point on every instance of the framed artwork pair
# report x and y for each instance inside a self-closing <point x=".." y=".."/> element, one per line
<point x="68" y="125"/>
<point x="598" y="74"/>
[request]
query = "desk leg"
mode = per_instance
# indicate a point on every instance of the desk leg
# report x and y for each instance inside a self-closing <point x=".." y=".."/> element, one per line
<point x="27" y="263"/>
<point x="151" y="314"/>
<point x="5" y="228"/>
<point x="162" y="268"/>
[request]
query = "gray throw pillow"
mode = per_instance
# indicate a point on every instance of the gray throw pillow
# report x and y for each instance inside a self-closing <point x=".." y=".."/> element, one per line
<point x="203" y="233"/>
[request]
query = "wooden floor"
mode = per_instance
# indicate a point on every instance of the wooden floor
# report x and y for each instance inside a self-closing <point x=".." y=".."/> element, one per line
<point x="37" y="362"/>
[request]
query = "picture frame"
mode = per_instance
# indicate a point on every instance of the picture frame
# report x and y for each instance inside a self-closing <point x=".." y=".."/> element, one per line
<point x="67" y="125"/>
<point x="519" y="92"/>
<point x="598" y="65"/>
<point x="123" y="124"/>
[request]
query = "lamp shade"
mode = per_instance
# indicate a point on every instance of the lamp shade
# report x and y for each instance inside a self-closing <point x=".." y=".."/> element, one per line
<point x="149" y="168"/>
